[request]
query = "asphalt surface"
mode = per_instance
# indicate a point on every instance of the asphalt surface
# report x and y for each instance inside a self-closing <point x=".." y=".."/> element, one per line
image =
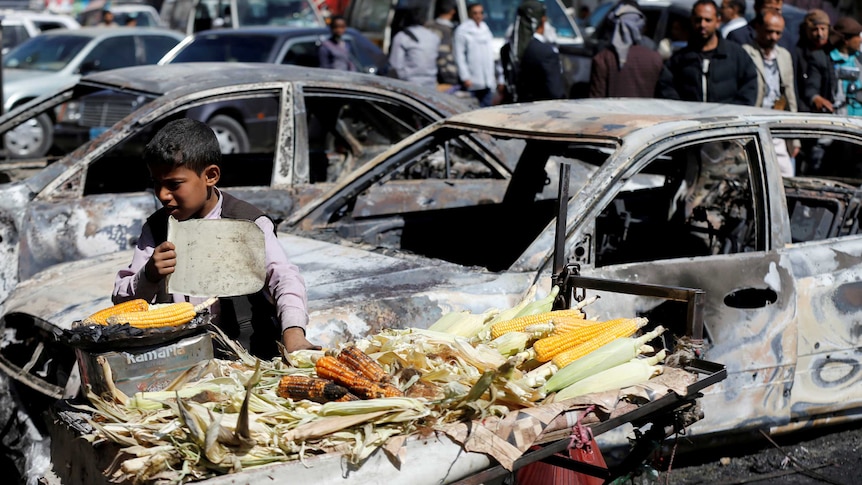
<point x="826" y="456"/>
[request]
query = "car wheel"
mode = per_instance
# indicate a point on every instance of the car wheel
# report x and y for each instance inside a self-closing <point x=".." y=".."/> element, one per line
<point x="30" y="139"/>
<point x="231" y="136"/>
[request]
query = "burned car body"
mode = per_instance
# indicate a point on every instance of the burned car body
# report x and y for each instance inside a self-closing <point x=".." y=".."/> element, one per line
<point x="306" y="128"/>
<point x="682" y="194"/>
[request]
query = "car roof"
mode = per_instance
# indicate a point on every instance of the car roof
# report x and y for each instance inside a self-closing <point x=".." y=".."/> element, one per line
<point x="271" y="30"/>
<point x="94" y="32"/>
<point x="604" y="118"/>
<point x="198" y="76"/>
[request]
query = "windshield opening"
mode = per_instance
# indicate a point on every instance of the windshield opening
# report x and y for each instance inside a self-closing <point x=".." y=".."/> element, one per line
<point x="45" y="53"/>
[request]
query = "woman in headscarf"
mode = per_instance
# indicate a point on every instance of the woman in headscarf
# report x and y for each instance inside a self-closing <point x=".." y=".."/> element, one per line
<point x="625" y="68"/>
<point x="531" y="64"/>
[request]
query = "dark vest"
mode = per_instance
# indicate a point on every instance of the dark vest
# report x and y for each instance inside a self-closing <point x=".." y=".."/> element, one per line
<point x="251" y="319"/>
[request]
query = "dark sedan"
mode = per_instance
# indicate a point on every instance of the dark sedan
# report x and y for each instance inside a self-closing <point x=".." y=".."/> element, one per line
<point x="274" y="45"/>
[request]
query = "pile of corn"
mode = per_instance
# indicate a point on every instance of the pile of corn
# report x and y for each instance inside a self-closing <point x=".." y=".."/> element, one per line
<point x="223" y="416"/>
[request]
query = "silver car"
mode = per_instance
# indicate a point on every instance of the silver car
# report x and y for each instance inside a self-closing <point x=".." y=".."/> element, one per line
<point x="58" y="58"/>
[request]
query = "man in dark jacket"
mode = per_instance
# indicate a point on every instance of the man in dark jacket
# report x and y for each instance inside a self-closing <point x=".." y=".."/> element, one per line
<point x="815" y="74"/>
<point x="746" y="35"/>
<point x="709" y="68"/>
<point x="530" y="59"/>
<point x="625" y="68"/>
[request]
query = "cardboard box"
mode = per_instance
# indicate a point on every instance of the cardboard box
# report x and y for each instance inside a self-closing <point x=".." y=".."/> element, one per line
<point x="143" y="368"/>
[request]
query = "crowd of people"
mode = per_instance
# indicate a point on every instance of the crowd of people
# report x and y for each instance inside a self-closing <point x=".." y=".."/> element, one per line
<point x="724" y="59"/>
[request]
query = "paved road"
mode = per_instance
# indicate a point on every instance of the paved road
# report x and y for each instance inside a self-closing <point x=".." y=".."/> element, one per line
<point x="810" y="458"/>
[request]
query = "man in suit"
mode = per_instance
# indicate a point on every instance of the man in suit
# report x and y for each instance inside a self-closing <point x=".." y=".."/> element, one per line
<point x="775" y="81"/>
<point x="538" y="58"/>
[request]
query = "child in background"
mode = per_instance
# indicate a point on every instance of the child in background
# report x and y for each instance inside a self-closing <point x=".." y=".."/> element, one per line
<point x="183" y="158"/>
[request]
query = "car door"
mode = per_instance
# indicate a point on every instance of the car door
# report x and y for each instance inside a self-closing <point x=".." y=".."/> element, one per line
<point x="825" y="247"/>
<point x="99" y="204"/>
<point x="701" y="211"/>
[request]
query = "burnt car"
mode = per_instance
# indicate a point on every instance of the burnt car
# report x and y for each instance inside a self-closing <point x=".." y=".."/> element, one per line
<point x="667" y="193"/>
<point x="278" y="45"/>
<point x="310" y="127"/>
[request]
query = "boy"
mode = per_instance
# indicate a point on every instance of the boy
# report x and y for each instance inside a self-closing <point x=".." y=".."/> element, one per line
<point x="183" y="158"/>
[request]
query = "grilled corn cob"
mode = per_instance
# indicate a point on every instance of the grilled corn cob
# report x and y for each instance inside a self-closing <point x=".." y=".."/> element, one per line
<point x="101" y="316"/>
<point x="167" y="316"/>
<point x="311" y="388"/>
<point x="549" y="347"/>
<point x="328" y="367"/>
<point x="362" y="363"/>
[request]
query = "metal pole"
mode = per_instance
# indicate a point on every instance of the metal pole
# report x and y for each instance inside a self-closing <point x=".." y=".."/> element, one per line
<point x="562" y="215"/>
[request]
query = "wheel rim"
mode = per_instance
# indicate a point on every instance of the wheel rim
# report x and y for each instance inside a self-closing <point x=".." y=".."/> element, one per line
<point x="25" y="139"/>
<point x="227" y="140"/>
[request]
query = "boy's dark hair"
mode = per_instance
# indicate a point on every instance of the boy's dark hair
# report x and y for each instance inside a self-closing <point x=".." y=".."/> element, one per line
<point x="184" y="143"/>
<point x="470" y="5"/>
<point x="336" y="18"/>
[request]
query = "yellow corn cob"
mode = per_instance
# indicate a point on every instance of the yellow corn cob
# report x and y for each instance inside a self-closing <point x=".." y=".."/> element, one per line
<point x="549" y="347"/>
<point x="101" y="316"/>
<point x="564" y="358"/>
<point x="570" y="324"/>
<point x="171" y="315"/>
<point x="624" y="375"/>
<point x="520" y="323"/>
<point x="609" y="355"/>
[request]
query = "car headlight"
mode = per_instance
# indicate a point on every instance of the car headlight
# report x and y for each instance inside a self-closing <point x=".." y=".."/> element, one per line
<point x="69" y="112"/>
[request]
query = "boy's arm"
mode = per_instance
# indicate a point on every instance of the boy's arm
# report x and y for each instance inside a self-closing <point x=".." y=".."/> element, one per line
<point x="131" y="282"/>
<point x="287" y="288"/>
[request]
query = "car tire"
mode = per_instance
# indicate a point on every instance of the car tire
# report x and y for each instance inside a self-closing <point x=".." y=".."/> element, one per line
<point x="231" y="136"/>
<point x="31" y="139"/>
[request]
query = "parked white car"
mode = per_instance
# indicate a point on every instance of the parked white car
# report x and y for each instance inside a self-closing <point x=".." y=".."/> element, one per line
<point x="19" y="25"/>
<point x="56" y="59"/>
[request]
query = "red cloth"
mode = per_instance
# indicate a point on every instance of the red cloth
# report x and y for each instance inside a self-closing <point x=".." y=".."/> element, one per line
<point x="539" y="473"/>
<point x="337" y="7"/>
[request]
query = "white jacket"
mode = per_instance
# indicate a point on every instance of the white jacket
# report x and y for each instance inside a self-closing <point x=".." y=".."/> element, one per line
<point x="474" y="54"/>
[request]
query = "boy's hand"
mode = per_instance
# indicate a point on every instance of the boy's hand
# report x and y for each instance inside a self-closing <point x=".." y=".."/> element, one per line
<point x="293" y="338"/>
<point x="162" y="263"/>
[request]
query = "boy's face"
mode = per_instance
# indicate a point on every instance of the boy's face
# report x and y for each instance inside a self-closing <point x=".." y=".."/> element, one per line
<point x="184" y="193"/>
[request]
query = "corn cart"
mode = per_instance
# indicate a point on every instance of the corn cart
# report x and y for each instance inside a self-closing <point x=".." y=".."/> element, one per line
<point x="484" y="449"/>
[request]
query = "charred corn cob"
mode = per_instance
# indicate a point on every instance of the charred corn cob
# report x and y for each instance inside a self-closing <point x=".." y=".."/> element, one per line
<point x="549" y="347"/>
<point x="348" y="397"/>
<point x="311" y="388"/>
<point x="362" y="363"/>
<point x="520" y="323"/>
<point x="166" y="316"/>
<point x="101" y="316"/>
<point x="329" y="367"/>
